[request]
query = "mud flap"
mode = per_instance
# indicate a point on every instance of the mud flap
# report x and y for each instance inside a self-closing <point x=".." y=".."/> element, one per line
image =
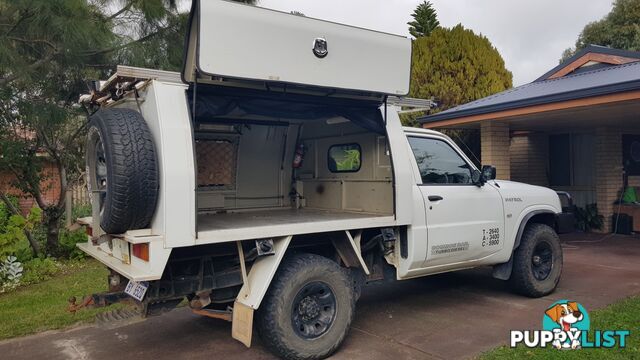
<point x="242" y="325"/>
<point x="255" y="286"/>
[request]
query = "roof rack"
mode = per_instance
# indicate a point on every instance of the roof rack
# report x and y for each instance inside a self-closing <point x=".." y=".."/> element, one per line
<point x="126" y="79"/>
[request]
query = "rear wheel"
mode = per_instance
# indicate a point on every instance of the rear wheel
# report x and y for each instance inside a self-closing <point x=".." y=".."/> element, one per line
<point x="308" y="309"/>
<point x="537" y="262"/>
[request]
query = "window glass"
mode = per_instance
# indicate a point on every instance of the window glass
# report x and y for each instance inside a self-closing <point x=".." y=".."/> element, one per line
<point x="560" y="160"/>
<point x="345" y="158"/>
<point x="439" y="163"/>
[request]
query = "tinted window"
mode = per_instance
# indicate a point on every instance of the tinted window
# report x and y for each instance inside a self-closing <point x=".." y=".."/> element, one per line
<point x="439" y="163"/>
<point x="345" y="158"/>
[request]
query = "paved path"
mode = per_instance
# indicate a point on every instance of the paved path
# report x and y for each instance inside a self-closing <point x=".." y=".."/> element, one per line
<point x="455" y="315"/>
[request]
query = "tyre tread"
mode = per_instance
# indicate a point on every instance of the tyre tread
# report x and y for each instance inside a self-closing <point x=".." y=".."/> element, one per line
<point x="270" y="331"/>
<point x="133" y="179"/>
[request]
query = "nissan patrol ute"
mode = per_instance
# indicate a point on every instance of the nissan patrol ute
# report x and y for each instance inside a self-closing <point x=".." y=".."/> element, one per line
<point x="271" y="180"/>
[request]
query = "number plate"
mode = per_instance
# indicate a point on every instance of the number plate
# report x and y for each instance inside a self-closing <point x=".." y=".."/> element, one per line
<point x="136" y="289"/>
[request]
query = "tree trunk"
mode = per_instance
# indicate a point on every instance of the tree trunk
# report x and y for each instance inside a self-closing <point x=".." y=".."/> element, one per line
<point x="52" y="224"/>
<point x="35" y="247"/>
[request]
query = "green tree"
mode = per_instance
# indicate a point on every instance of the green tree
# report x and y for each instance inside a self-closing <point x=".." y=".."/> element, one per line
<point x="48" y="51"/>
<point x="425" y="20"/>
<point x="456" y="66"/>
<point x="620" y="29"/>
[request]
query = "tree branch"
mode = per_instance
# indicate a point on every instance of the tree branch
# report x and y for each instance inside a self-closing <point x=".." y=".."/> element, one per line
<point x="32" y="189"/>
<point x="119" y="12"/>
<point x="33" y="66"/>
<point x="120" y="47"/>
<point x="34" y="41"/>
<point x="50" y="149"/>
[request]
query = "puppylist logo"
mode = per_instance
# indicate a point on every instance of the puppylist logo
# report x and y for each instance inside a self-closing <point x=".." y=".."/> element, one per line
<point x="566" y="326"/>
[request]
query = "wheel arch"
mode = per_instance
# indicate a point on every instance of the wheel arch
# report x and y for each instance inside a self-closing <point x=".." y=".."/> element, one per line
<point x="539" y="216"/>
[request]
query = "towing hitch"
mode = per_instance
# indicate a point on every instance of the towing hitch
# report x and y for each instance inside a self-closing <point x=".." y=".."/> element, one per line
<point x="99" y="300"/>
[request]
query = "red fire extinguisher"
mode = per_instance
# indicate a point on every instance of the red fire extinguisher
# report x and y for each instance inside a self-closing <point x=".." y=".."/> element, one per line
<point x="299" y="156"/>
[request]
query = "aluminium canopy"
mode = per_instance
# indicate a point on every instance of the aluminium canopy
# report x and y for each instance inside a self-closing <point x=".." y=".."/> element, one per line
<point x="241" y="45"/>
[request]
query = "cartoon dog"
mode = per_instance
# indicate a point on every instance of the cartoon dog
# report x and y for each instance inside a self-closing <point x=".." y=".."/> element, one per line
<point x="566" y="315"/>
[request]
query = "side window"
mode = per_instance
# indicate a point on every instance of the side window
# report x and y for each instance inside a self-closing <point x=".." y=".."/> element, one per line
<point x="439" y="163"/>
<point x="344" y="158"/>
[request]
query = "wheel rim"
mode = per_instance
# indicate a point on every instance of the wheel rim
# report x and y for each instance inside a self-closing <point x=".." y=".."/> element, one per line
<point x="314" y="310"/>
<point x="98" y="169"/>
<point x="542" y="260"/>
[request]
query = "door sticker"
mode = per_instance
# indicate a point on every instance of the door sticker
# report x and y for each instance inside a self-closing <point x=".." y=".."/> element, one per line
<point x="490" y="237"/>
<point x="449" y="248"/>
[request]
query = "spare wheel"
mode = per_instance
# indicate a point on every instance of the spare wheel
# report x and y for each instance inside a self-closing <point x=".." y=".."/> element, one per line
<point x="122" y="168"/>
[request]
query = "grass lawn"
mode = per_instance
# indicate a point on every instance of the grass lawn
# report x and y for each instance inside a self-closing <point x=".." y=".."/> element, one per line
<point x="623" y="315"/>
<point x="43" y="306"/>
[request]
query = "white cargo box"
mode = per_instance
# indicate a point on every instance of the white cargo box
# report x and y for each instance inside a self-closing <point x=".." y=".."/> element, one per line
<point x="229" y="42"/>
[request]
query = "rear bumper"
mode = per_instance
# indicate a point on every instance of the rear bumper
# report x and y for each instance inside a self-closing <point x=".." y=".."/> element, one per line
<point x="135" y="269"/>
<point x="565" y="222"/>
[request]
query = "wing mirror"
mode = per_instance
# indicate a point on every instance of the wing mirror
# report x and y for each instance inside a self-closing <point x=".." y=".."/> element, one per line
<point x="479" y="178"/>
<point x="488" y="172"/>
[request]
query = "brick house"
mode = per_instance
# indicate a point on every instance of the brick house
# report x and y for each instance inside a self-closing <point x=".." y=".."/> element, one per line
<point x="574" y="129"/>
<point x="50" y="188"/>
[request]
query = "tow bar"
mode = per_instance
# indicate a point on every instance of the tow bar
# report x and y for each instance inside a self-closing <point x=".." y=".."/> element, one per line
<point x="99" y="300"/>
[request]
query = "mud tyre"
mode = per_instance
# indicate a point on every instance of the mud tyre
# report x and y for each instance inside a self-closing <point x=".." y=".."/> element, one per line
<point x="308" y="309"/>
<point x="537" y="262"/>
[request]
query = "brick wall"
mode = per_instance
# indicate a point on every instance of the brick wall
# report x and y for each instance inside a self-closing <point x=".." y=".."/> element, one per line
<point x="608" y="171"/>
<point x="494" y="147"/>
<point x="529" y="158"/>
<point x="50" y="187"/>
<point x="634" y="181"/>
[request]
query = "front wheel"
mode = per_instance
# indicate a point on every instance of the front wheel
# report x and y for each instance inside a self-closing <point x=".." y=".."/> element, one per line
<point x="537" y="262"/>
<point x="308" y="309"/>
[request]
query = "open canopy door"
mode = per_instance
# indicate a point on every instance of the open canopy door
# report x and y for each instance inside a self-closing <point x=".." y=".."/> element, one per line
<point x="241" y="45"/>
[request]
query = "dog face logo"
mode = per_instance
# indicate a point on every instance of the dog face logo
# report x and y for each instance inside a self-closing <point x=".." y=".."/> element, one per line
<point x="565" y="314"/>
<point x="320" y="48"/>
<point x="569" y="319"/>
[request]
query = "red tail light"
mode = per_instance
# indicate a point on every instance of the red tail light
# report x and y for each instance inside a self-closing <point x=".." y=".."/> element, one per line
<point x="141" y="251"/>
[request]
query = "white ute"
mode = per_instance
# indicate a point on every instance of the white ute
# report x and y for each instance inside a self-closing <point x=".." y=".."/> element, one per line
<point x="272" y="179"/>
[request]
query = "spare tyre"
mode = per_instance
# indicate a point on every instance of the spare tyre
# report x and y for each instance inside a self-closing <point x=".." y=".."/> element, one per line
<point x="122" y="168"/>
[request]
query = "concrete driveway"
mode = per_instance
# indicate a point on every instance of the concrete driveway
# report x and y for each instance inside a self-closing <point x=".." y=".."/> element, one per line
<point x="457" y="315"/>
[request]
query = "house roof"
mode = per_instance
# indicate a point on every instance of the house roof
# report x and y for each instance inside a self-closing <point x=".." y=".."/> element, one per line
<point x="609" y="57"/>
<point x="616" y="71"/>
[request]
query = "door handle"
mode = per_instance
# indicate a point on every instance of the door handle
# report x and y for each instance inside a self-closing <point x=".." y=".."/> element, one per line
<point x="435" y="198"/>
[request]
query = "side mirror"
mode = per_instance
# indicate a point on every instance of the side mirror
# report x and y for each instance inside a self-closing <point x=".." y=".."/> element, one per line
<point x="488" y="172"/>
<point x="477" y="178"/>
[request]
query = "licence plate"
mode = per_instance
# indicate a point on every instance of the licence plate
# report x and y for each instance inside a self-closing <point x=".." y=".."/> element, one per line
<point x="136" y="289"/>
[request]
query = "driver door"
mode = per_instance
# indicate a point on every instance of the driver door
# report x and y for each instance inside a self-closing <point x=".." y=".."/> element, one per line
<point x="464" y="221"/>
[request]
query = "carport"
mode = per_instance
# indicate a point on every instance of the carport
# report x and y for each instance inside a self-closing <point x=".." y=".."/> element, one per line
<point x="574" y="129"/>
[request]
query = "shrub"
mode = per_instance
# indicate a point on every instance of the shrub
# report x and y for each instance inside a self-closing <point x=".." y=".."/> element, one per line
<point x="588" y="218"/>
<point x="79" y="211"/>
<point x="11" y="271"/>
<point x="12" y="227"/>
<point x="38" y="270"/>
<point x="68" y="241"/>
